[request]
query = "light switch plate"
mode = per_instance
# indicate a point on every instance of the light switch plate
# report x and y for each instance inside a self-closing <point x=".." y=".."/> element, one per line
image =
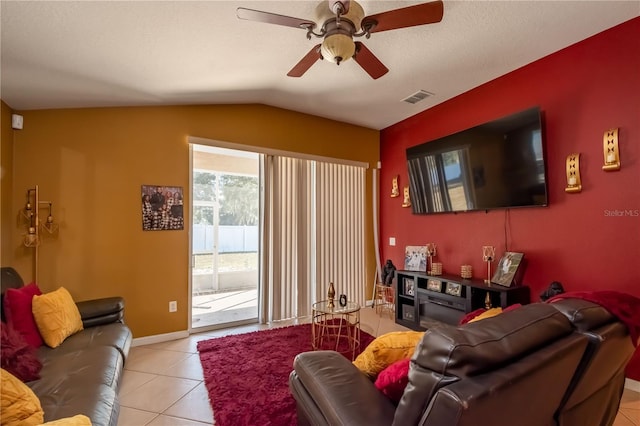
<point x="392" y="241"/>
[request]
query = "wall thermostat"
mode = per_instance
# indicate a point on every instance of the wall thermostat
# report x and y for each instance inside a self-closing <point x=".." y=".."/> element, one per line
<point x="16" y="121"/>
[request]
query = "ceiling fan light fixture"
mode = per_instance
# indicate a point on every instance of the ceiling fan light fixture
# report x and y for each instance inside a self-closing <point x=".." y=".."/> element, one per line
<point x="337" y="48"/>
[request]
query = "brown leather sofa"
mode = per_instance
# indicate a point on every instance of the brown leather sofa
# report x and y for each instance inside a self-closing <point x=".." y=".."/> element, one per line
<point x="82" y="375"/>
<point x="541" y="364"/>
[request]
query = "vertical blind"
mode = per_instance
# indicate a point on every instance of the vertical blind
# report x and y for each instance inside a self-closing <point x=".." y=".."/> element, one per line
<point x="339" y="215"/>
<point x="312" y="234"/>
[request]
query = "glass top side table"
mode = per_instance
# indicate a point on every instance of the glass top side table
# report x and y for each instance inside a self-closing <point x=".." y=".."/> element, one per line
<point x="336" y="328"/>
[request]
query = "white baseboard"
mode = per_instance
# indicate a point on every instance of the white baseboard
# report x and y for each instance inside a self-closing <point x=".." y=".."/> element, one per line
<point x="159" y="338"/>
<point x="368" y="303"/>
<point x="631" y="384"/>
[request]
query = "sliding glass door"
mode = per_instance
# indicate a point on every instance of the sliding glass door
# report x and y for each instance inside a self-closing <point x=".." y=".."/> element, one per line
<point x="225" y="237"/>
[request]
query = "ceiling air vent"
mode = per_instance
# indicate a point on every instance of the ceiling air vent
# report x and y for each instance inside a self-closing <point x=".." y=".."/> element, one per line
<point x="417" y="97"/>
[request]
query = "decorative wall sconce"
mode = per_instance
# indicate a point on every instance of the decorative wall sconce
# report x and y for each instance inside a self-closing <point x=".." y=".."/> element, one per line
<point x="395" y="192"/>
<point x="407" y="198"/>
<point x="574" y="183"/>
<point x="35" y="227"/>
<point x="488" y="254"/>
<point x="610" y="150"/>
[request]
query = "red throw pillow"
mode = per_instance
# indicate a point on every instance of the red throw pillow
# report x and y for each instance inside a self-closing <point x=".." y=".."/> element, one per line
<point x="511" y="307"/>
<point x="471" y="315"/>
<point x="392" y="380"/>
<point x="17" y="356"/>
<point x="17" y="309"/>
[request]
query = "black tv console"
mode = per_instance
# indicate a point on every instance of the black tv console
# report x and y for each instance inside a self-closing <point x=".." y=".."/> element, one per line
<point x="422" y="299"/>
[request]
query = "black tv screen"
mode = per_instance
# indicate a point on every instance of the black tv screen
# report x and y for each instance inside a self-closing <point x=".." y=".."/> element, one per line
<point x="499" y="164"/>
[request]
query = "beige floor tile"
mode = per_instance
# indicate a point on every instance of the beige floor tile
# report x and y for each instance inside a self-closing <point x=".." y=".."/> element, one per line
<point x="194" y="406"/>
<point x="152" y="360"/>
<point x="163" y="420"/>
<point x="188" y="344"/>
<point x="387" y="326"/>
<point x="632" y="414"/>
<point x="189" y="368"/>
<point x="630" y="399"/>
<point x="132" y="417"/>
<point x="158" y="394"/>
<point x="622" y="420"/>
<point x="132" y="380"/>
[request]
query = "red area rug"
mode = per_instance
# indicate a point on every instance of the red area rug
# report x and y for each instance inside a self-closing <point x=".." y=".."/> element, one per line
<point x="247" y="375"/>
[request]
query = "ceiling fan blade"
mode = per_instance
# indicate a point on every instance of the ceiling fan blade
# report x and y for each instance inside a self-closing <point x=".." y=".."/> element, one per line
<point x="411" y="16"/>
<point x="306" y="62"/>
<point x="273" y="18"/>
<point x="369" y="62"/>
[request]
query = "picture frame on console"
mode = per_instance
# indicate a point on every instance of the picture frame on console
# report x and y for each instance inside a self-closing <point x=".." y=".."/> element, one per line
<point x="453" y="289"/>
<point x="409" y="287"/>
<point x="507" y="268"/>
<point x="415" y="258"/>
<point x="434" y="285"/>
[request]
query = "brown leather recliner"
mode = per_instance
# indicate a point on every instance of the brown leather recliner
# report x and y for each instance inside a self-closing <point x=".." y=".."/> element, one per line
<point x="593" y="397"/>
<point x="530" y="366"/>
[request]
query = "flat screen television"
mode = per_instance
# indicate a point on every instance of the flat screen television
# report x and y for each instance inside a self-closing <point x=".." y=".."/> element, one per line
<point x="496" y="165"/>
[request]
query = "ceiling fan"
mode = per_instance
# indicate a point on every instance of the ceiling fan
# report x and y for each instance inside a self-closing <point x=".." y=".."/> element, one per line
<point x="342" y="20"/>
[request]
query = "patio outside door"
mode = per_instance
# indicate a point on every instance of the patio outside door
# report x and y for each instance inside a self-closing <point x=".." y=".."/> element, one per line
<point x="225" y="238"/>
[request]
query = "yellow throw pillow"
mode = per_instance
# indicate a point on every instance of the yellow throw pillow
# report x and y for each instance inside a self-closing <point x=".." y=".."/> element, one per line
<point x="79" y="420"/>
<point x="20" y="406"/>
<point x="487" y="314"/>
<point x="387" y="349"/>
<point x="57" y="316"/>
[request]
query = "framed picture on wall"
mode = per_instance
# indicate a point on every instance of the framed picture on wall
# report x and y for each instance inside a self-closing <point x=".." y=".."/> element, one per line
<point x="162" y="208"/>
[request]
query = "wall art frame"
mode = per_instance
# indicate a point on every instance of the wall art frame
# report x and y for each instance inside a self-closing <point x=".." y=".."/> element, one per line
<point x="162" y="208"/>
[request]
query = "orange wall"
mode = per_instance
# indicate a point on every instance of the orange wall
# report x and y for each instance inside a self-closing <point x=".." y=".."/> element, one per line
<point x="6" y="175"/>
<point x="91" y="163"/>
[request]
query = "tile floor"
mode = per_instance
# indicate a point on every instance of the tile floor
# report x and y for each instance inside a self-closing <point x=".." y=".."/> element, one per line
<point x="163" y="384"/>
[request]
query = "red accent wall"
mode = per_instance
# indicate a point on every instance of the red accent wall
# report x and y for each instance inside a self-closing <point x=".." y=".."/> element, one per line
<point x="587" y="241"/>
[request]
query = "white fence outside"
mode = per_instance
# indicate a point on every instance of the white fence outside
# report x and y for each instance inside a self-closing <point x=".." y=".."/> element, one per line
<point x="232" y="239"/>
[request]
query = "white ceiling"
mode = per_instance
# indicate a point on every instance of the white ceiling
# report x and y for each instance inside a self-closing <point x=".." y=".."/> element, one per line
<point x="63" y="54"/>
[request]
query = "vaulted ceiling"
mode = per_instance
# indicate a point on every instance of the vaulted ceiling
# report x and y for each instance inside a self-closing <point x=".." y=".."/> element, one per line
<point x="64" y="54"/>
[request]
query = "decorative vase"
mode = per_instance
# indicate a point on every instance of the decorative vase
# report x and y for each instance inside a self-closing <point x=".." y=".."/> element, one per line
<point x="331" y="294"/>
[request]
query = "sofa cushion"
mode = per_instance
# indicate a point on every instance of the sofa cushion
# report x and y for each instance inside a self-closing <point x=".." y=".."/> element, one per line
<point x="17" y="309"/>
<point x="393" y="380"/>
<point x="17" y="356"/>
<point x="88" y="385"/>
<point x="116" y="335"/>
<point x="387" y="349"/>
<point x="57" y="316"/>
<point x="19" y="406"/>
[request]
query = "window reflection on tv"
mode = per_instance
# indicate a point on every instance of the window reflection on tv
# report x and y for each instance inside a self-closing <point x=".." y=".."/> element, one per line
<point x="499" y="164"/>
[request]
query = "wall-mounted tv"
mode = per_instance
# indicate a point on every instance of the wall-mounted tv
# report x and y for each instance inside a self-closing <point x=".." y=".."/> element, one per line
<point x="496" y="165"/>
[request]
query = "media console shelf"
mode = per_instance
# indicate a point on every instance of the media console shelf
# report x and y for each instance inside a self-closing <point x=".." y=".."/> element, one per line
<point x="424" y="298"/>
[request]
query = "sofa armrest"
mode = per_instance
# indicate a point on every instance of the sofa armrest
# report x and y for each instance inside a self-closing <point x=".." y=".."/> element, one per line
<point x="101" y="311"/>
<point x="332" y="391"/>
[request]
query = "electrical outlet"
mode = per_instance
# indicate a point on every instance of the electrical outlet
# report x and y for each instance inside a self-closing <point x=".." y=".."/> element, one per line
<point x="173" y="306"/>
<point x="392" y="241"/>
